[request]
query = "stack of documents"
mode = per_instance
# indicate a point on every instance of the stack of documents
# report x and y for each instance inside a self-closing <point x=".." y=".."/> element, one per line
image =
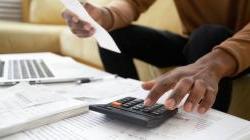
<point x="24" y="107"/>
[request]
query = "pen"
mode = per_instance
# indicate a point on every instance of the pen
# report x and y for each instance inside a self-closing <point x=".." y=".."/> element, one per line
<point x="89" y="80"/>
<point x="71" y="80"/>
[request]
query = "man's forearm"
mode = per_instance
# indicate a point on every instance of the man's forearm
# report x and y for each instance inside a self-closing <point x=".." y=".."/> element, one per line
<point x="122" y="12"/>
<point x="238" y="46"/>
<point x="126" y="11"/>
<point x="107" y="21"/>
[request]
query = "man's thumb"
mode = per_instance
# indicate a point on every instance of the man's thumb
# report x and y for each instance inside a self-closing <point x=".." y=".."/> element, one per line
<point x="89" y="7"/>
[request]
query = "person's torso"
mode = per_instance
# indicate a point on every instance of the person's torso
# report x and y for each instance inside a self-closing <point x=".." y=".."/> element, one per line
<point x="234" y="14"/>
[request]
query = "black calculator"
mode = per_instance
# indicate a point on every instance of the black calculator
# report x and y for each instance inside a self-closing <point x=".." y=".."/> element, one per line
<point x="132" y="110"/>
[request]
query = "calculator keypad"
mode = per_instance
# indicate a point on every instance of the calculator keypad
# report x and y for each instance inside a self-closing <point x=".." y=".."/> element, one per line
<point x="132" y="110"/>
<point x="137" y="106"/>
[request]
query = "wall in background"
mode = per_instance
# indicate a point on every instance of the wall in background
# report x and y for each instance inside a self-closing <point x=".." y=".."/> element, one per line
<point x="10" y="10"/>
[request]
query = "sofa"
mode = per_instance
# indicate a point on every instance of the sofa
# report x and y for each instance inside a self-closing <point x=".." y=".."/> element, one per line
<point x="43" y="29"/>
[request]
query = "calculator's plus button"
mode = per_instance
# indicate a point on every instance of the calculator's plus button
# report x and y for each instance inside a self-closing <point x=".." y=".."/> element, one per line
<point x="116" y="104"/>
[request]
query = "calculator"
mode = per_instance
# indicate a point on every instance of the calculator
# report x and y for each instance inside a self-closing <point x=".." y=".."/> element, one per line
<point x="132" y="110"/>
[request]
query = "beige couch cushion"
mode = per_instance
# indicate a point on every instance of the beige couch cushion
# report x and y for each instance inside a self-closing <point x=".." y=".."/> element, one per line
<point x="84" y="50"/>
<point x="24" y="37"/>
<point x="162" y="15"/>
<point x="46" y="12"/>
<point x="49" y="11"/>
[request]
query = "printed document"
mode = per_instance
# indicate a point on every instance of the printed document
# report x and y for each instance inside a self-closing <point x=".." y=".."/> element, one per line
<point x="100" y="89"/>
<point x="24" y="107"/>
<point x="102" y="36"/>
<point x="183" y="126"/>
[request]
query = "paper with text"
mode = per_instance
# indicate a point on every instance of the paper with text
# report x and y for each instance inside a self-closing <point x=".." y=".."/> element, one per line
<point x="23" y="107"/>
<point x="101" y="35"/>
<point x="101" y="89"/>
<point x="70" y="129"/>
<point x="183" y="126"/>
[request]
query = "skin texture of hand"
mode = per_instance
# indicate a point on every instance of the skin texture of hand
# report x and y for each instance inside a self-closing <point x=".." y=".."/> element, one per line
<point x="84" y="29"/>
<point x="199" y="79"/>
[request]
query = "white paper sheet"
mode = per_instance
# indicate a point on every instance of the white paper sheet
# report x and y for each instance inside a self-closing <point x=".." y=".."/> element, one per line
<point x="183" y="126"/>
<point x="23" y="107"/>
<point x="101" y="35"/>
<point x="101" y="89"/>
<point x="70" y="129"/>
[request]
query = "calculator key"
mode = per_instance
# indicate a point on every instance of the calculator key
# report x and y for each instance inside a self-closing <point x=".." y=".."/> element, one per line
<point x="151" y="108"/>
<point x="132" y="103"/>
<point x="138" y="106"/>
<point x="126" y="105"/>
<point x="116" y="104"/>
<point x="159" y="111"/>
<point x="125" y="100"/>
<point x="136" y="101"/>
<point x="156" y="113"/>
<point x="154" y="107"/>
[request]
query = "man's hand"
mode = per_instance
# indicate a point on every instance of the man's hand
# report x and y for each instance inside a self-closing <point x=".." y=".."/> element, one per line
<point x="83" y="28"/>
<point x="200" y="80"/>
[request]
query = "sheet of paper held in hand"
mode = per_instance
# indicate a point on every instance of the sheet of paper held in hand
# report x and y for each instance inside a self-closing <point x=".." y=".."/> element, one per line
<point x="101" y="35"/>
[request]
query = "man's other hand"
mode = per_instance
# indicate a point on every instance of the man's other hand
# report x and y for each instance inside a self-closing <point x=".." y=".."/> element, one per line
<point x="83" y="28"/>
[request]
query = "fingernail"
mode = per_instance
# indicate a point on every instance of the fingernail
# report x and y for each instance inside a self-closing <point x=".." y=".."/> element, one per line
<point x="170" y="104"/>
<point x="144" y="85"/>
<point x="202" y="110"/>
<point x="93" y="30"/>
<point x="87" y="27"/>
<point x="86" y="4"/>
<point x="75" y="20"/>
<point x="147" y="102"/>
<point x="189" y="107"/>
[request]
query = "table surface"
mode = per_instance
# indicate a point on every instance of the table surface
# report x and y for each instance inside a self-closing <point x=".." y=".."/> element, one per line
<point x="101" y="73"/>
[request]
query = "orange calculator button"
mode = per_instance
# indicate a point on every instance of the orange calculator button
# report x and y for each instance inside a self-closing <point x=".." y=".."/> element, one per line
<point x="116" y="104"/>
